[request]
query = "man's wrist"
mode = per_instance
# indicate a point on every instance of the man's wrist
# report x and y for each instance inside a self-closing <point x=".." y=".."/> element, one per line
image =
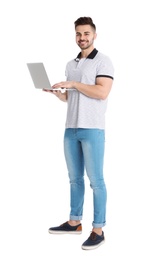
<point x="74" y="84"/>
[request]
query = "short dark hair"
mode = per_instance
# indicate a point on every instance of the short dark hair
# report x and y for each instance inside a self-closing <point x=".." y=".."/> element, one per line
<point x="85" y="20"/>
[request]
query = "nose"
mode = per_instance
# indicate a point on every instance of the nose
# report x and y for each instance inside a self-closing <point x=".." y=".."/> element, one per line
<point x="82" y="38"/>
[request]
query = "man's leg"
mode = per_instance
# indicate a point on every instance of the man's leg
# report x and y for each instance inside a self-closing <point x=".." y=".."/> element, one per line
<point x="75" y="164"/>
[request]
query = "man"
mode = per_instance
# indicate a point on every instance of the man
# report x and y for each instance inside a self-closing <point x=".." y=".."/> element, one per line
<point x="89" y="81"/>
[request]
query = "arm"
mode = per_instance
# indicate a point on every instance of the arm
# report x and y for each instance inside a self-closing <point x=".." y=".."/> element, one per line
<point x="99" y="91"/>
<point x="59" y="94"/>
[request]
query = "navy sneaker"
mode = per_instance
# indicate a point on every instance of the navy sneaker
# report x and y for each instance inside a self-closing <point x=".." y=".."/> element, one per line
<point x="65" y="228"/>
<point x="93" y="241"/>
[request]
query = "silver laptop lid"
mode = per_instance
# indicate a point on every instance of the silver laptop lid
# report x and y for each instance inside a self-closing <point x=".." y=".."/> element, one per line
<point x="39" y="75"/>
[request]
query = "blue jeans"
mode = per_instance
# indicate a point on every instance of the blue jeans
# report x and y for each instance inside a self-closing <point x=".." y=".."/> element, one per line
<point x="84" y="149"/>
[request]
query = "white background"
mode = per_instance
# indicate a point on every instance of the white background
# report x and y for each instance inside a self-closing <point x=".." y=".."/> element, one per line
<point x="34" y="188"/>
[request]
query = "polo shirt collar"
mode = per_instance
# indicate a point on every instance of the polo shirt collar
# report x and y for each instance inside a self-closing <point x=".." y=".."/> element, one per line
<point x="90" y="56"/>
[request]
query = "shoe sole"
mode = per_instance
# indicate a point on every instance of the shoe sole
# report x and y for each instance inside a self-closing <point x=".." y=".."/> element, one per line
<point x="93" y="247"/>
<point x="65" y="232"/>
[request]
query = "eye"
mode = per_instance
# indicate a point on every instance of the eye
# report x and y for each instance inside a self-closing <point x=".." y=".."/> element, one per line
<point x="87" y="34"/>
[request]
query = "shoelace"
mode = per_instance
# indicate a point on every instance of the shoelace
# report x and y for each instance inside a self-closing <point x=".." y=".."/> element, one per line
<point x="93" y="236"/>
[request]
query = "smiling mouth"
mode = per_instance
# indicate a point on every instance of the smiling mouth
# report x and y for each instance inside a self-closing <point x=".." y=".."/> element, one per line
<point x="82" y="42"/>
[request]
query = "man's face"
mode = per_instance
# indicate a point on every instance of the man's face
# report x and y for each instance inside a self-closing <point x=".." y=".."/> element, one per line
<point x="85" y="36"/>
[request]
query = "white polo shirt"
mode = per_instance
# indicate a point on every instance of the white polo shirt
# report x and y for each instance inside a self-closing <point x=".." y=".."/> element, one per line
<point x="83" y="111"/>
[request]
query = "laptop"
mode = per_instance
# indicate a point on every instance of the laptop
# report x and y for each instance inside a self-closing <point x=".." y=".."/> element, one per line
<point x="40" y="78"/>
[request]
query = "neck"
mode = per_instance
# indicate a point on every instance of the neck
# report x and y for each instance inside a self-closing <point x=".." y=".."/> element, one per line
<point x="86" y="52"/>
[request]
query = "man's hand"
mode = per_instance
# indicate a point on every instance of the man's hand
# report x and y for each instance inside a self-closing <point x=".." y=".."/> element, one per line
<point x="58" y="93"/>
<point x="63" y="85"/>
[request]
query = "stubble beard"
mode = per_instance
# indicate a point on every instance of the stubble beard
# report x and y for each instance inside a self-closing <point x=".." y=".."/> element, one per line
<point x="86" y="47"/>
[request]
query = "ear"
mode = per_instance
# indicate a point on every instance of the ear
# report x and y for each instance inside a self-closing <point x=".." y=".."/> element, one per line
<point x="95" y="35"/>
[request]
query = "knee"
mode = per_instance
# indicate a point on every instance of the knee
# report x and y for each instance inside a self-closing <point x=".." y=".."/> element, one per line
<point x="97" y="184"/>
